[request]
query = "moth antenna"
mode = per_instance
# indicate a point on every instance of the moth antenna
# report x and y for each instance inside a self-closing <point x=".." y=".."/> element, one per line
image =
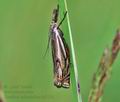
<point x="47" y="47"/>
<point x="62" y="19"/>
<point x="57" y="7"/>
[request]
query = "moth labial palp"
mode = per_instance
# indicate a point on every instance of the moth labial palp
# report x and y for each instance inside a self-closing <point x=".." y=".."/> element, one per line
<point x="60" y="52"/>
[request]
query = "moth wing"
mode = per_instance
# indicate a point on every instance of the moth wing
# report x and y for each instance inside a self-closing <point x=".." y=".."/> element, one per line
<point x="64" y="45"/>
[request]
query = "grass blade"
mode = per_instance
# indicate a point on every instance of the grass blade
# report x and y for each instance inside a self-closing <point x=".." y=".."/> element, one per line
<point x="68" y="34"/>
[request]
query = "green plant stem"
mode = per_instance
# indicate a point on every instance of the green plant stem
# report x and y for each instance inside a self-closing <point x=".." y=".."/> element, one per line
<point x="74" y="70"/>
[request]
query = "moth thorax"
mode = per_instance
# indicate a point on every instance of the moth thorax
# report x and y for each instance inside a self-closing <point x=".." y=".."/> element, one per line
<point x="53" y="24"/>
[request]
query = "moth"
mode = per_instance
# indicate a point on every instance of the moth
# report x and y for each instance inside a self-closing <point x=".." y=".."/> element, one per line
<point x="60" y="52"/>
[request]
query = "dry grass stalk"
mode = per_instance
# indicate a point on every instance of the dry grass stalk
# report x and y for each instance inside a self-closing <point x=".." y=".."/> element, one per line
<point x="2" y="96"/>
<point x="104" y="70"/>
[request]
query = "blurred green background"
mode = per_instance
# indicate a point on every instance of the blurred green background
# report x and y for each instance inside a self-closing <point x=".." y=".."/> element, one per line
<point x="24" y="26"/>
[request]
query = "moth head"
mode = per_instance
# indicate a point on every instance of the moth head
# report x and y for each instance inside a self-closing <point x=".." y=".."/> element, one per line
<point x="55" y="14"/>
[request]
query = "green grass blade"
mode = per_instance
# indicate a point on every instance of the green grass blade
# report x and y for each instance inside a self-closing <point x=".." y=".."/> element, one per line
<point x="68" y="36"/>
